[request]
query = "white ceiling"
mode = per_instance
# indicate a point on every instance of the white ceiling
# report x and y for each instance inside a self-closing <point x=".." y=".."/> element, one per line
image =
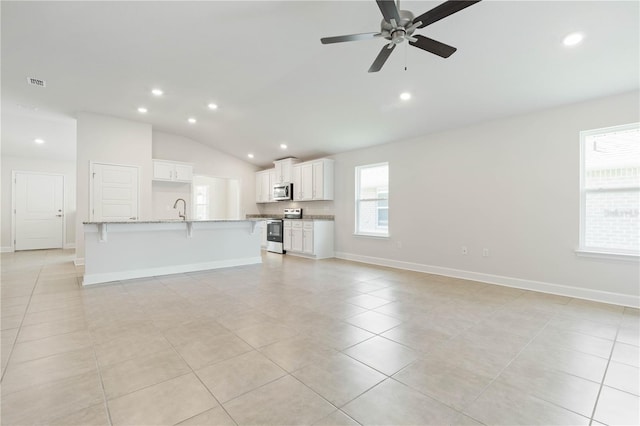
<point x="263" y="64"/>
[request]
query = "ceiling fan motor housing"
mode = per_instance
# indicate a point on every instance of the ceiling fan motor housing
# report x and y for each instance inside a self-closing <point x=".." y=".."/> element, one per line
<point x="397" y="34"/>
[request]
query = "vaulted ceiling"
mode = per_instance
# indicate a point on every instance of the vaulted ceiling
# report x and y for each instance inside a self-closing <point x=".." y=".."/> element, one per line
<point x="263" y="64"/>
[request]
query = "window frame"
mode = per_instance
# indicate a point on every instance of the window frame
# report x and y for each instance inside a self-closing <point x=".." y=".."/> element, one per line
<point x="358" y="200"/>
<point x="196" y="204"/>
<point x="598" y="252"/>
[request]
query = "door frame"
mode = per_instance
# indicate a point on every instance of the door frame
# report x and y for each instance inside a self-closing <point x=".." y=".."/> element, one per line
<point x="13" y="204"/>
<point x="104" y="163"/>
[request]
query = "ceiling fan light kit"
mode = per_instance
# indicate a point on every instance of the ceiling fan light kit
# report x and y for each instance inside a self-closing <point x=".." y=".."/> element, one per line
<point x="399" y="25"/>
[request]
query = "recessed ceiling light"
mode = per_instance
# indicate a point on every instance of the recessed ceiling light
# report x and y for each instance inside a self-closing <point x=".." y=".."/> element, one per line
<point x="283" y="146"/>
<point x="250" y="155"/>
<point x="212" y="106"/>
<point x="191" y="120"/>
<point x="39" y="141"/>
<point x="573" y="39"/>
<point x="405" y="96"/>
<point x="157" y="92"/>
<point x="142" y="110"/>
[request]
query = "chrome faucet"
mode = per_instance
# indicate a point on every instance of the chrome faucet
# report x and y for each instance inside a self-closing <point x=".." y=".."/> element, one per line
<point x="175" y="206"/>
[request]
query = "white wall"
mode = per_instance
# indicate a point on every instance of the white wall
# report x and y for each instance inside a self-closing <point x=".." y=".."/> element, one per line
<point x="66" y="168"/>
<point x="511" y="186"/>
<point x="108" y="139"/>
<point x="206" y="162"/>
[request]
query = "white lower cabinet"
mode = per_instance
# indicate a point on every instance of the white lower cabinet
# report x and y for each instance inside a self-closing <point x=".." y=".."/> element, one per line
<point x="296" y="236"/>
<point x="286" y="236"/>
<point x="309" y="238"/>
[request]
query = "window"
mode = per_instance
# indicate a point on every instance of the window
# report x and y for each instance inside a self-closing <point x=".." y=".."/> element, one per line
<point x="610" y="190"/>
<point x="372" y="200"/>
<point x="202" y="202"/>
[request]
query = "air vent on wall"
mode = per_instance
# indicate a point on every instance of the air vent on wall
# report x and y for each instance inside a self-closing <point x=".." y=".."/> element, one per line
<point x="36" y="82"/>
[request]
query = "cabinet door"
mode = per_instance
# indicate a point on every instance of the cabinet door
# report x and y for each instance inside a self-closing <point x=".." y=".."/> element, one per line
<point x="286" y="235"/>
<point x="307" y="182"/>
<point x="266" y="187"/>
<point x="296" y="239"/>
<point x="307" y="240"/>
<point x="297" y="183"/>
<point x="162" y="170"/>
<point x="318" y="180"/>
<point x="183" y="172"/>
<point x="273" y="179"/>
<point x="258" y="188"/>
<point x="285" y="171"/>
<point x="278" y="175"/>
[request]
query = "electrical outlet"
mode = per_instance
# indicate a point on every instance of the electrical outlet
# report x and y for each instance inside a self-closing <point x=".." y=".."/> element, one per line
<point x="464" y="250"/>
<point x="399" y="244"/>
<point x="485" y="252"/>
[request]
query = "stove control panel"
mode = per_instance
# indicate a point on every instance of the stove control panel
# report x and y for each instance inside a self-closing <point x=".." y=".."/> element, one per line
<point x="293" y="213"/>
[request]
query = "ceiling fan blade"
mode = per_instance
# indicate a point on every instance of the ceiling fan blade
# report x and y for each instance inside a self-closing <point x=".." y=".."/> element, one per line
<point x="351" y="37"/>
<point x="433" y="46"/>
<point x="389" y="10"/>
<point x="442" y="11"/>
<point x="381" y="58"/>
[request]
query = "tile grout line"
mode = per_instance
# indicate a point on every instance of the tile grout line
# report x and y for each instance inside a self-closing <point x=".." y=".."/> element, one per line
<point x="199" y="379"/>
<point x="606" y="369"/>
<point x="22" y="320"/>
<point x="505" y="367"/>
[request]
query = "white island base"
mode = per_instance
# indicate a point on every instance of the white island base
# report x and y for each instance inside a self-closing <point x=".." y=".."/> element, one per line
<point x="117" y="251"/>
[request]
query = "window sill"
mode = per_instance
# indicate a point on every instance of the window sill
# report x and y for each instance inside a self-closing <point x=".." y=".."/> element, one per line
<point x="378" y="236"/>
<point x="625" y="257"/>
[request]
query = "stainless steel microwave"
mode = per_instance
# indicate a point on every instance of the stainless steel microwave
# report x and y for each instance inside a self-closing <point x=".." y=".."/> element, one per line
<point x="283" y="191"/>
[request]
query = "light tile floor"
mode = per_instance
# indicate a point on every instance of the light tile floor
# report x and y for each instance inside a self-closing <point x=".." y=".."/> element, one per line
<point x="295" y="341"/>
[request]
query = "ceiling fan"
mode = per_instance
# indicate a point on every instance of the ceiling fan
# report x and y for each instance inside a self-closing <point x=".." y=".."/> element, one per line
<point x="399" y="25"/>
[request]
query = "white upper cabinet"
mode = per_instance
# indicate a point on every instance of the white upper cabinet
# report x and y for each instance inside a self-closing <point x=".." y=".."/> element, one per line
<point x="313" y="180"/>
<point x="284" y="170"/>
<point x="172" y="171"/>
<point x="264" y="185"/>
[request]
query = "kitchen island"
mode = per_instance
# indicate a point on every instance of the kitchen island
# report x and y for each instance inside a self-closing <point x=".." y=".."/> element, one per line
<point x="117" y="251"/>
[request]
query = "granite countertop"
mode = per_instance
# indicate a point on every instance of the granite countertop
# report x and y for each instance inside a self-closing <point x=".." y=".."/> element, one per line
<point x="281" y="216"/>
<point x="171" y="221"/>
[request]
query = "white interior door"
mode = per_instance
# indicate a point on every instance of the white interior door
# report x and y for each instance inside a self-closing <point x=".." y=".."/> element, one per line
<point x="114" y="192"/>
<point x="39" y="211"/>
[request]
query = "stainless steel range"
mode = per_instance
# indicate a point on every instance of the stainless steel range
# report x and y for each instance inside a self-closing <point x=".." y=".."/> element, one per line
<point x="275" y="230"/>
<point x="275" y="234"/>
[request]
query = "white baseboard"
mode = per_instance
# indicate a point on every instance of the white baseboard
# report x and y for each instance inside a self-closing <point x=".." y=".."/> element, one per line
<point x="543" y="287"/>
<point x="78" y="261"/>
<point x="98" y="278"/>
<point x="6" y="249"/>
<point x="67" y="246"/>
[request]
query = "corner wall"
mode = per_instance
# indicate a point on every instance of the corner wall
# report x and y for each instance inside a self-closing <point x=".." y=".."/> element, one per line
<point x="113" y="140"/>
<point x="511" y="186"/>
